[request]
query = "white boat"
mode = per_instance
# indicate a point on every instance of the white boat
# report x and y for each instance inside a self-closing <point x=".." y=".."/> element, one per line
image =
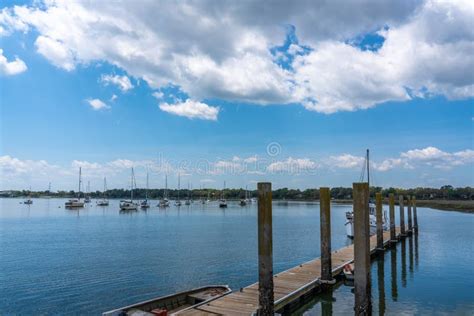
<point x="222" y="200"/>
<point x="348" y="271"/>
<point x="178" y="202"/>
<point x="87" y="199"/>
<point x="349" y="224"/>
<point x="76" y="203"/>
<point x="104" y="201"/>
<point x="129" y="205"/>
<point x="164" y="201"/>
<point x="144" y="204"/>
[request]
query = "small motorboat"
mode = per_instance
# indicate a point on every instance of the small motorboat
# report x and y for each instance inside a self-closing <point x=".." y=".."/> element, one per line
<point x="349" y="271"/>
<point x="144" y="204"/>
<point x="173" y="304"/>
<point x="103" y="202"/>
<point x="28" y="201"/>
<point x="243" y="202"/>
<point x="74" y="203"/>
<point x="164" y="203"/>
<point x="128" y="205"/>
<point x="222" y="203"/>
<point x="177" y="203"/>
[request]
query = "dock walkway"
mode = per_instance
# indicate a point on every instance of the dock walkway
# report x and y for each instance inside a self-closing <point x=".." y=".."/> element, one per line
<point x="289" y="285"/>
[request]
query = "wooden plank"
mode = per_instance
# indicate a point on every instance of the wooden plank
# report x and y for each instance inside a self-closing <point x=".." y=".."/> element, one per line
<point x="288" y="285"/>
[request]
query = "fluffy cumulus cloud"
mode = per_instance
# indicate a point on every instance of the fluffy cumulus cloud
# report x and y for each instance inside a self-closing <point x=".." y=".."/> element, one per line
<point x="9" y="68"/>
<point x="123" y="82"/>
<point x="225" y="51"/>
<point x="191" y="109"/>
<point x="97" y="104"/>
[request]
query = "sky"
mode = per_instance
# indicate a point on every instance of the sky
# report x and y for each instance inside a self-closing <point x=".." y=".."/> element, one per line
<point x="291" y="92"/>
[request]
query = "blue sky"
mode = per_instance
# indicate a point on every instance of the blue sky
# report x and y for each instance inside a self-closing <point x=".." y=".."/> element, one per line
<point x="419" y="134"/>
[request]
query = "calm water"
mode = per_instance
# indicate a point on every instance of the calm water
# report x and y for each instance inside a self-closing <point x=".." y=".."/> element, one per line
<point x="57" y="261"/>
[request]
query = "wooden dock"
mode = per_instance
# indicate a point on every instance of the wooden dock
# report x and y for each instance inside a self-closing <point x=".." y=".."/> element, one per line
<point x="289" y="285"/>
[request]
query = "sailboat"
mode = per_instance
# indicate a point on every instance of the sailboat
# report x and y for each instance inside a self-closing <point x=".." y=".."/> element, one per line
<point x="104" y="201"/>
<point x="164" y="201"/>
<point x="222" y="200"/>
<point x="244" y="201"/>
<point x="178" y="202"/>
<point x="76" y="203"/>
<point x="188" y="200"/>
<point x="144" y="204"/>
<point x="28" y="201"/>
<point x="372" y="217"/>
<point x="87" y="199"/>
<point x="129" y="205"/>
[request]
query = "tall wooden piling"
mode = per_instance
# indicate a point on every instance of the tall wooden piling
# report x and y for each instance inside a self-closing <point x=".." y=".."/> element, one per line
<point x="402" y="217"/>
<point x="265" y="249"/>
<point x="410" y="221"/>
<point x="362" y="286"/>
<point x="415" y="217"/>
<point x="378" y="214"/>
<point x="325" y="225"/>
<point x="391" y="203"/>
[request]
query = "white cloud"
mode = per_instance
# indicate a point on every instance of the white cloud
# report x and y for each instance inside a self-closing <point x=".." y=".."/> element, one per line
<point x="123" y="82"/>
<point x="437" y="158"/>
<point x="56" y="52"/>
<point x="97" y="104"/>
<point x="191" y="109"/>
<point x="9" y="68"/>
<point x="158" y="95"/>
<point x="293" y="165"/>
<point x="345" y="161"/>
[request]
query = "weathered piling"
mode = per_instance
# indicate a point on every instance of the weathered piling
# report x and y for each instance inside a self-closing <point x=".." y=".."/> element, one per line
<point x="362" y="286"/>
<point x="410" y="221"/>
<point x="415" y="217"/>
<point x="378" y="214"/>
<point x="402" y="217"/>
<point x="391" y="201"/>
<point x="325" y="225"/>
<point x="381" y="282"/>
<point x="265" y="249"/>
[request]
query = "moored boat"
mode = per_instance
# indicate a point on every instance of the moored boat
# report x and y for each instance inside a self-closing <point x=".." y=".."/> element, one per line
<point x="129" y="205"/>
<point x="104" y="201"/>
<point x="173" y="304"/>
<point x="76" y="203"/>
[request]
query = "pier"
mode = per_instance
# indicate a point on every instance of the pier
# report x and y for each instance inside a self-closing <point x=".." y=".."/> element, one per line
<point x="279" y="293"/>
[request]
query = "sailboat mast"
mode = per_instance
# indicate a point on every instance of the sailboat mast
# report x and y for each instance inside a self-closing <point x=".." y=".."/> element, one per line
<point x="179" y="185"/>
<point x="79" y="191"/>
<point x="131" y="187"/>
<point x="146" y="192"/>
<point x="165" y="192"/>
<point x="368" y="171"/>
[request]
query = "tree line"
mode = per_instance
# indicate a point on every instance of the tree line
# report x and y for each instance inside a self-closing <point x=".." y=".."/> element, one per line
<point x="446" y="192"/>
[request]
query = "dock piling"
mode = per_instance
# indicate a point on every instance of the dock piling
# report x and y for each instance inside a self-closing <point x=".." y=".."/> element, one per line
<point x="265" y="249"/>
<point x="362" y="288"/>
<point x="325" y="225"/>
<point x="415" y="217"/>
<point x="391" y="201"/>
<point x="402" y="217"/>
<point x="378" y="214"/>
<point x="410" y="220"/>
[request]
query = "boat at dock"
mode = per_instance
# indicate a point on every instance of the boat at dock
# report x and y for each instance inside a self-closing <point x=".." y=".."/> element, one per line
<point x="76" y="203"/>
<point x="372" y="215"/>
<point x="173" y="304"/>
